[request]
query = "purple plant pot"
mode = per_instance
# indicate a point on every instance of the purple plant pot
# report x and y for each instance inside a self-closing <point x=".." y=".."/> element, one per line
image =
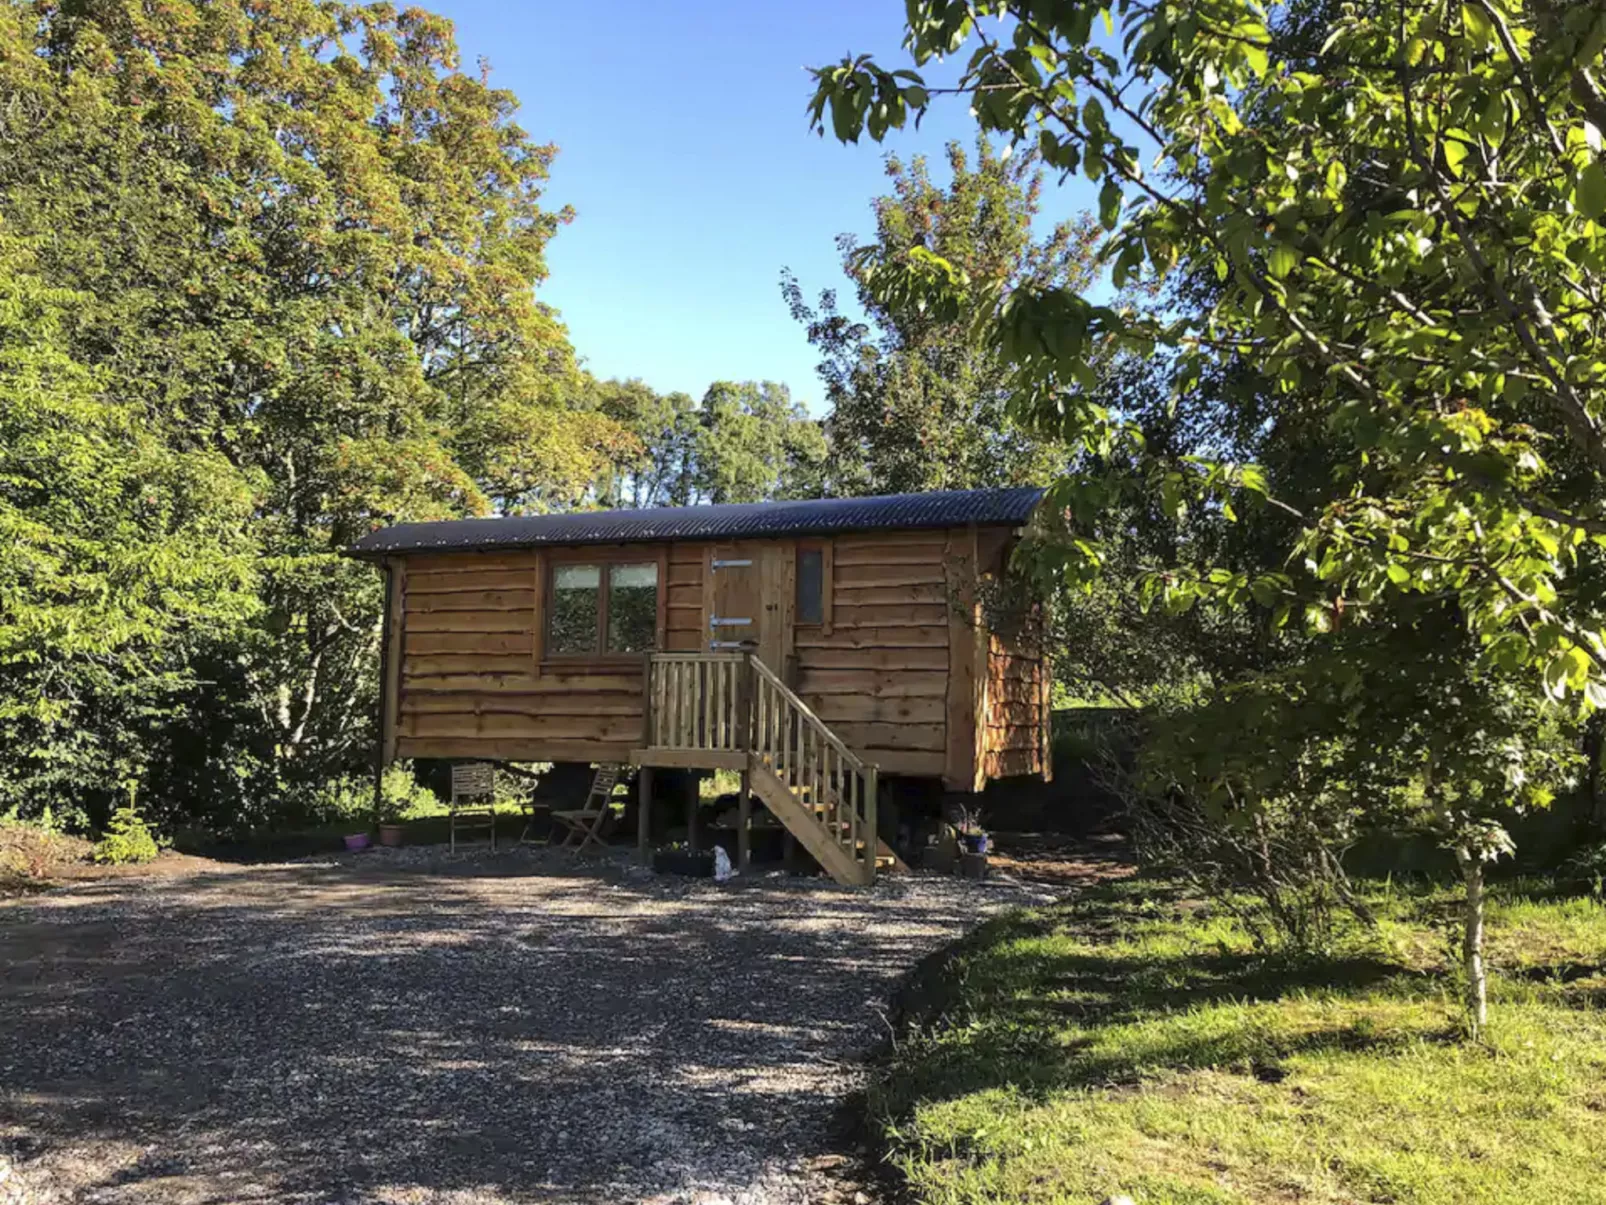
<point x="356" y="842"/>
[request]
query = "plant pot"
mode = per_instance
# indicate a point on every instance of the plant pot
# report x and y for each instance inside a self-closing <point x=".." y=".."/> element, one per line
<point x="976" y="843"/>
<point x="698" y="865"/>
<point x="356" y="842"/>
<point x="939" y="858"/>
<point x="390" y="834"/>
<point x="973" y="866"/>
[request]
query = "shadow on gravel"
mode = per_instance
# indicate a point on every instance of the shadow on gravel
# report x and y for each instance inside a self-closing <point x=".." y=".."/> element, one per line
<point x="501" y="1030"/>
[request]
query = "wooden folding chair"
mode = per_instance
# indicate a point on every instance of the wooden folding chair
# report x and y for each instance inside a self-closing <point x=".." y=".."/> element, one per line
<point x="473" y="805"/>
<point x="590" y="825"/>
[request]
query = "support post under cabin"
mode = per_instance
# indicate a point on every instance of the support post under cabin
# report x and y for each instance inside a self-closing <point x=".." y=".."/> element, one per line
<point x="644" y="812"/>
<point x="385" y="749"/>
<point x="693" y="799"/>
<point x="744" y="821"/>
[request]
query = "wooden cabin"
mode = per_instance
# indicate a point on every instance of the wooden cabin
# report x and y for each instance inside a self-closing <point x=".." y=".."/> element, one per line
<point x="816" y="647"/>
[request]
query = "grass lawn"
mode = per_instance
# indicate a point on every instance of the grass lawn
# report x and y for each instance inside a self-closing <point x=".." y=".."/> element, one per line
<point x="1134" y="1041"/>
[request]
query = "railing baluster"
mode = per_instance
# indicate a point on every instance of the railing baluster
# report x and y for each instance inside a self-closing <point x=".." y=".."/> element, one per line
<point x="688" y="702"/>
<point x="724" y="702"/>
<point x="853" y="801"/>
<point x="659" y="702"/>
<point x="717" y="736"/>
<point x="700" y="685"/>
<point x="672" y="684"/>
<point x="692" y="685"/>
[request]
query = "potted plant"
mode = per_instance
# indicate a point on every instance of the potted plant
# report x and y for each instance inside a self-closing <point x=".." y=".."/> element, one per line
<point x="680" y="858"/>
<point x="399" y="794"/>
<point x="974" y="843"/>
<point x="973" y="838"/>
<point x="389" y="818"/>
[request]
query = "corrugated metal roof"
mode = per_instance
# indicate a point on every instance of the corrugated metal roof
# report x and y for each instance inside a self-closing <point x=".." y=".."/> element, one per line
<point x="893" y="512"/>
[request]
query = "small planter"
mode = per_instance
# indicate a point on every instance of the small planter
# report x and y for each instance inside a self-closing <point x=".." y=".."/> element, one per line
<point x="976" y="843"/>
<point x="696" y="865"/>
<point x="939" y="858"/>
<point x="973" y="866"/>
<point x="356" y="842"/>
<point x="390" y="834"/>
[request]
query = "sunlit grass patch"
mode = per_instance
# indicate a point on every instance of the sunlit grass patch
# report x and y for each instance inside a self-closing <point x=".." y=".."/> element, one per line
<point x="1137" y="1041"/>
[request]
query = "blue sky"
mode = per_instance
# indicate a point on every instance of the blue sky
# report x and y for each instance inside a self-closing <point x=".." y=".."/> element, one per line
<point x="685" y="152"/>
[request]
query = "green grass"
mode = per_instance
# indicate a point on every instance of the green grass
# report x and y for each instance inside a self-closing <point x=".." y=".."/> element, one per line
<point x="1135" y="1041"/>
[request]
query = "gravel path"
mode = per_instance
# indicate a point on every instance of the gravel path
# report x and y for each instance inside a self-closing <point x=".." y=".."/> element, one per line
<point x="414" y="1026"/>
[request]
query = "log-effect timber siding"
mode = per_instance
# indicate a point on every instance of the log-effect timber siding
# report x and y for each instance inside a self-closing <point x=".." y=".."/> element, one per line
<point x="901" y="669"/>
<point x="471" y="683"/>
<point x="877" y="672"/>
<point x="1017" y="711"/>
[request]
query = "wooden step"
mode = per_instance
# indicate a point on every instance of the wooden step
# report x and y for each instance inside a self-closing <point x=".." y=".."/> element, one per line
<point x="800" y="821"/>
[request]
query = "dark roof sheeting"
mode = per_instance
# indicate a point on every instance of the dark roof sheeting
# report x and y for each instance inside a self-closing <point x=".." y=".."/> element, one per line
<point x="894" y="512"/>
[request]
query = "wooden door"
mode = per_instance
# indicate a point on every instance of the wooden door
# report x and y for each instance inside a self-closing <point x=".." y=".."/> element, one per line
<point x="750" y="610"/>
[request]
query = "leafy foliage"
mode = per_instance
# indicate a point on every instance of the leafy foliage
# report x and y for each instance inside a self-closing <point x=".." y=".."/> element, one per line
<point x="1388" y="225"/>
<point x="916" y="404"/>
<point x="743" y="442"/>
<point x="266" y="280"/>
<point x="1401" y="217"/>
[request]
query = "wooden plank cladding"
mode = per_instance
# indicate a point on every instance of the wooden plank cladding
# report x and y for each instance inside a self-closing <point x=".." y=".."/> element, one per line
<point x="472" y="684"/>
<point x="1016" y="738"/>
<point x="879" y="676"/>
<point x="894" y="659"/>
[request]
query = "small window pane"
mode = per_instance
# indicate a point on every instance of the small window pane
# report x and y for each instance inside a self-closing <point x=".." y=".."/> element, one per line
<point x="632" y="608"/>
<point x="810" y="585"/>
<point x="576" y="594"/>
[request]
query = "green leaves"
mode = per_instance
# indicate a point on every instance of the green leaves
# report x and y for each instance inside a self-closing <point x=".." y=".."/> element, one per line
<point x="862" y="97"/>
<point x="1110" y="204"/>
<point x="1590" y="195"/>
<point x="1400" y="251"/>
<point x="302" y="248"/>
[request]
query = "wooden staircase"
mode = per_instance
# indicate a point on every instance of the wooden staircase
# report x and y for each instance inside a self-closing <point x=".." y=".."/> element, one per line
<point x="730" y="710"/>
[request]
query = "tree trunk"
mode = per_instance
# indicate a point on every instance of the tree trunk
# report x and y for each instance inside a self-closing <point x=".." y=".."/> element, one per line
<point x="1472" y="940"/>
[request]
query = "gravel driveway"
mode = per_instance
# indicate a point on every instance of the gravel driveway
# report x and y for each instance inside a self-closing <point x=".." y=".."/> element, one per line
<point x="413" y="1026"/>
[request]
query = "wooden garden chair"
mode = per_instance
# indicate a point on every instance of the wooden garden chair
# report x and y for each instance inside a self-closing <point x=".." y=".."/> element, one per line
<point x="591" y="824"/>
<point x="473" y="805"/>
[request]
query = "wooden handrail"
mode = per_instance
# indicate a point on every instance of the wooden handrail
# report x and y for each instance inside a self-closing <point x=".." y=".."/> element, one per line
<point x="734" y="703"/>
<point x="802" y="708"/>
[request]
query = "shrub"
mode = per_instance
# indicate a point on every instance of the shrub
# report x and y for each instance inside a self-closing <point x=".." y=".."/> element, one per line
<point x="1587" y="867"/>
<point x="402" y="796"/>
<point x="126" y="840"/>
<point x="350" y="798"/>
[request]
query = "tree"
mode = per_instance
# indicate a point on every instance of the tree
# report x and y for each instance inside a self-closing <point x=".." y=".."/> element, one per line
<point x="1404" y="209"/>
<point x="915" y="403"/>
<point x="657" y="470"/>
<point x="116" y="553"/>
<point x="307" y="245"/>
<point x="754" y="443"/>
